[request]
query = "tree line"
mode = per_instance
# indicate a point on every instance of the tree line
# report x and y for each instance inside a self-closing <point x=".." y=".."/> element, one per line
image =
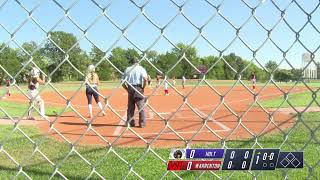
<point x="53" y="52"/>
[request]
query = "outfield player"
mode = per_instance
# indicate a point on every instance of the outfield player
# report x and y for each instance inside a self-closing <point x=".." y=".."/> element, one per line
<point x="253" y="80"/>
<point x="158" y="79"/>
<point x="8" y="87"/>
<point x="34" y="81"/>
<point x="92" y="82"/>
<point x="166" y="90"/>
<point x="149" y="80"/>
<point x="174" y="80"/>
<point x="183" y="81"/>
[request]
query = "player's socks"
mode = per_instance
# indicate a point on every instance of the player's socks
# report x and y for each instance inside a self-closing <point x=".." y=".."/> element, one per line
<point x="42" y="110"/>
<point x="90" y="110"/>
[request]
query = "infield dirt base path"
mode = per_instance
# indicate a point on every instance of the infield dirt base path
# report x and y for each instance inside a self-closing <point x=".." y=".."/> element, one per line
<point x="185" y="119"/>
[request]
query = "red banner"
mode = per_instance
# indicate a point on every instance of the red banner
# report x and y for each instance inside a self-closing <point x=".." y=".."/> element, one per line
<point x="179" y="165"/>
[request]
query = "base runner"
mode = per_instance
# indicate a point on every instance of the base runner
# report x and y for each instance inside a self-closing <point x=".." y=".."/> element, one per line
<point x="174" y="80"/>
<point x="92" y="83"/>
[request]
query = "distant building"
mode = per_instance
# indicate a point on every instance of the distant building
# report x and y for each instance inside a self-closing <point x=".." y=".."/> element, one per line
<point x="311" y="71"/>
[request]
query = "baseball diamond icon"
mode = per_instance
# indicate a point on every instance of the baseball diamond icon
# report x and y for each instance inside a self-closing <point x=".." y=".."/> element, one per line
<point x="290" y="160"/>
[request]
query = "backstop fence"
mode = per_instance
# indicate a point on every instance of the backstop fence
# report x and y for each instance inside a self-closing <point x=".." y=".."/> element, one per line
<point x="244" y="15"/>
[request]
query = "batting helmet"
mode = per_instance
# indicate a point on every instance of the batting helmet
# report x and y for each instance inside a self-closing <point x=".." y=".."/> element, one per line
<point x="91" y="68"/>
<point x="35" y="72"/>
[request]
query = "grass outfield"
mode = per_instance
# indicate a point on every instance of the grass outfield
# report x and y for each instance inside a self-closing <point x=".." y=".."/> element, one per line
<point x="108" y="163"/>
<point x="75" y="85"/>
<point x="20" y="109"/>
<point x="145" y="163"/>
<point x="296" y="100"/>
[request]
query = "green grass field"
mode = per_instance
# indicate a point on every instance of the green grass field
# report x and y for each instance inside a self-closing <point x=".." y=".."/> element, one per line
<point x="304" y="136"/>
<point x="109" y="165"/>
<point x="75" y="85"/>
<point x="20" y="109"/>
<point x="296" y="100"/>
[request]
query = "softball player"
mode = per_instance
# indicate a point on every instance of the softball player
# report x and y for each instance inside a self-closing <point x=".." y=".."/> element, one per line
<point x="34" y="82"/>
<point x="183" y="81"/>
<point x="253" y="80"/>
<point x="174" y="80"/>
<point x="166" y="90"/>
<point x="149" y="80"/>
<point x="158" y="80"/>
<point x="8" y="87"/>
<point x="92" y="82"/>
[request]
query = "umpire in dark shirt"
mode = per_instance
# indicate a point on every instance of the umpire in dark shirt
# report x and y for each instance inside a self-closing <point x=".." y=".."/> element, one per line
<point x="136" y="80"/>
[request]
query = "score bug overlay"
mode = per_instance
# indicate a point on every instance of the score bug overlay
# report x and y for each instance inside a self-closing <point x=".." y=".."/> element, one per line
<point x="189" y="159"/>
<point x="233" y="159"/>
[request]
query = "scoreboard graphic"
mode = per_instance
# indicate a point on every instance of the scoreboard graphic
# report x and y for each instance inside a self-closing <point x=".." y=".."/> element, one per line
<point x="233" y="159"/>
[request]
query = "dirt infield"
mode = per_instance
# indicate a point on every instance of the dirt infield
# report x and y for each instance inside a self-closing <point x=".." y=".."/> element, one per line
<point x="188" y="120"/>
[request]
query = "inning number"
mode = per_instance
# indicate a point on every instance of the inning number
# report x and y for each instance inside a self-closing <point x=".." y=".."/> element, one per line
<point x="257" y="161"/>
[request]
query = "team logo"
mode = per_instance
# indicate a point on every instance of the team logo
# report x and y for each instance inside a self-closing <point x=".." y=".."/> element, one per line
<point x="178" y="154"/>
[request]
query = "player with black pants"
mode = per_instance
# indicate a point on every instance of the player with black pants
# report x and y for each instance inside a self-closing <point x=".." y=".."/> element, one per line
<point x="92" y="82"/>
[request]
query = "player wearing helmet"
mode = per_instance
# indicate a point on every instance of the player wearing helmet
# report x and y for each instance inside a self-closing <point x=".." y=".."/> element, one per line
<point x="34" y="81"/>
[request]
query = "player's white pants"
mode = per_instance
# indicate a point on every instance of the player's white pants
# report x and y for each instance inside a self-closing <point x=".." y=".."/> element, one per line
<point x="39" y="101"/>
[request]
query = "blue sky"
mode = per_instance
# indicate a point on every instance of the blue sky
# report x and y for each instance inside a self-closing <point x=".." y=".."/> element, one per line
<point x="103" y="33"/>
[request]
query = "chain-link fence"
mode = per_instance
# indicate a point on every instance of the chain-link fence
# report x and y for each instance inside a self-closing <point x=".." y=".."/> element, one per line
<point x="211" y="47"/>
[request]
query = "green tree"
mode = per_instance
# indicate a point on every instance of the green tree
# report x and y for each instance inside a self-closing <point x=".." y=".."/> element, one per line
<point x="37" y="57"/>
<point x="56" y="50"/>
<point x="297" y="74"/>
<point x="151" y="56"/>
<point x="119" y="58"/>
<point x="9" y="61"/>
<point x="104" y="69"/>
<point x="283" y="75"/>
<point x="230" y="61"/>
<point x="165" y="61"/>
<point x="271" y="65"/>
<point x="190" y="55"/>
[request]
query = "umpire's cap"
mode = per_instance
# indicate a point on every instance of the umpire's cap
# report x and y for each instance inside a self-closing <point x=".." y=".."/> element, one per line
<point x="134" y="60"/>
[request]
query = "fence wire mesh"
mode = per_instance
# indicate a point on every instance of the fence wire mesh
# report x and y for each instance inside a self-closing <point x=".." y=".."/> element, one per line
<point x="37" y="147"/>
